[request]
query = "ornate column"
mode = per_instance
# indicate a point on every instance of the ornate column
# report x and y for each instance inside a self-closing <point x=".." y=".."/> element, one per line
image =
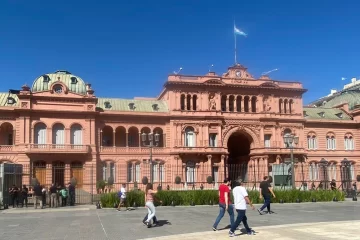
<point x="262" y="137"/>
<point x="223" y="164"/>
<point x="208" y="166"/>
<point x="227" y="103"/>
<point x="101" y="138"/>
<point x="67" y="136"/>
<point x="139" y="139"/>
<point x="67" y="176"/>
<point x="242" y="104"/>
<point x="13" y="137"/>
<point x="114" y="144"/>
<point x="235" y="103"/>
<point x="127" y="139"/>
<point x="191" y="102"/>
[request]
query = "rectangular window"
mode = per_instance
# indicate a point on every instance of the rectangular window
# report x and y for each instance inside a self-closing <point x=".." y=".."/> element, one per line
<point x="212" y="139"/>
<point x="267" y="140"/>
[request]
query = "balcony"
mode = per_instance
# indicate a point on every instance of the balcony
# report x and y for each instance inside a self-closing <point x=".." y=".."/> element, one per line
<point x="133" y="150"/>
<point x="7" y="148"/>
<point x="56" y="148"/>
<point x="274" y="150"/>
<point x="199" y="150"/>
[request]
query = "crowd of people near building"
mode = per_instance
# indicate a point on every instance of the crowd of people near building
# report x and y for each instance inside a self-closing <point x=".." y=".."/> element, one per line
<point x="53" y="197"/>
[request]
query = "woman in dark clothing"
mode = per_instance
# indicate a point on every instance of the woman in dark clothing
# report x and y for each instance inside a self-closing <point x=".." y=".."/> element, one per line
<point x="24" y="196"/>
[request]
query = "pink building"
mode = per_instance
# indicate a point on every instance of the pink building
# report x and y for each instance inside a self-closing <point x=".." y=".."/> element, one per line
<point x="212" y="125"/>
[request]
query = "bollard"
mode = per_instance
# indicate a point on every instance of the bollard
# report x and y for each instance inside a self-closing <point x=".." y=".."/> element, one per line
<point x="354" y="198"/>
<point x="98" y="206"/>
<point x="281" y="201"/>
<point x="172" y="204"/>
<point x="298" y="200"/>
<point x="335" y="199"/>
<point x="134" y="205"/>
<point x="313" y="200"/>
<point x="192" y="203"/>
<point x="6" y="206"/>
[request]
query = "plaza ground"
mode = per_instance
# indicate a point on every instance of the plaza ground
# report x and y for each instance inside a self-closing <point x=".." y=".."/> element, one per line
<point x="308" y="221"/>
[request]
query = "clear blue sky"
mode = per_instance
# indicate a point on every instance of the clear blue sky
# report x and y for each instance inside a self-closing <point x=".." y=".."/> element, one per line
<point x="127" y="48"/>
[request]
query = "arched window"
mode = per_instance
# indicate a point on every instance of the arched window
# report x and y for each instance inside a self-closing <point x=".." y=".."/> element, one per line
<point x="194" y="102"/>
<point x="76" y="135"/>
<point x="162" y="138"/>
<point x="133" y="170"/>
<point x="6" y="134"/>
<point x="312" y="141"/>
<point x="246" y="103"/>
<point x="190" y="172"/>
<point x="190" y="139"/>
<point x="238" y="103"/>
<point x="332" y="171"/>
<point x="133" y="137"/>
<point x="253" y="104"/>
<point x="158" y="172"/>
<point x="58" y="134"/>
<point x="40" y="134"/>
<point x="107" y="136"/>
<point x="182" y="102"/>
<point x="330" y="142"/>
<point x="291" y="103"/>
<point x="231" y="103"/>
<point x="349" y="142"/>
<point x="280" y="105"/>
<point x="188" y="102"/>
<point x="313" y="172"/>
<point x="223" y="103"/>
<point x="287" y="133"/>
<point x="109" y="170"/>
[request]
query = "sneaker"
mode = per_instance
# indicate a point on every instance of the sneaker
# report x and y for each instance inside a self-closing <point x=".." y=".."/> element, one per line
<point x="260" y="212"/>
<point x="214" y="229"/>
<point x="251" y="232"/>
<point x="231" y="234"/>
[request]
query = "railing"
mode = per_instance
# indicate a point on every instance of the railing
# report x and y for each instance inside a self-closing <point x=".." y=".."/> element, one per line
<point x="57" y="148"/>
<point x="272" y="150"/>
<point x="6" y="148"/>
<point x="198" y="149"/>
<point x="134" y="150"/>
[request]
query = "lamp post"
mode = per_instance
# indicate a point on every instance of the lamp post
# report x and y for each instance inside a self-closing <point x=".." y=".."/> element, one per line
<point x="289" y="139"/>
<point x="150" y="137"/>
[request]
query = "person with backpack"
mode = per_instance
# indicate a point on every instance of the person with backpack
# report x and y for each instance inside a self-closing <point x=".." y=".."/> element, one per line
<point x="122" y="196"/>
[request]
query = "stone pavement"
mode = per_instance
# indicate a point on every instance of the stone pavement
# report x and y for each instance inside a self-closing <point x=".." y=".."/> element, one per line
<point x="85" y="222"/>
<point x="313" y="231"/>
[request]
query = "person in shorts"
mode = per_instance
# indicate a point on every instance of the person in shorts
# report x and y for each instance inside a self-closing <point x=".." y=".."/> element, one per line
<point x="122" y="197"/>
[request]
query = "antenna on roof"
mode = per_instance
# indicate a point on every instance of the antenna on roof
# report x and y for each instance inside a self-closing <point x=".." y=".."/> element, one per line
<point x="266" y="73"/>
<point x="176" y="73"/>
<point x="210" y="68"/>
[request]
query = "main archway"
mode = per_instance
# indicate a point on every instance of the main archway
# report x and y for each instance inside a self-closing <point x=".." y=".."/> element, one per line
<point x="239" y="144"/>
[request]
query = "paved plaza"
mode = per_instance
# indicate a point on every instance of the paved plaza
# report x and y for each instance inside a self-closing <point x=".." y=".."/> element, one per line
<point x="307" y="221"/>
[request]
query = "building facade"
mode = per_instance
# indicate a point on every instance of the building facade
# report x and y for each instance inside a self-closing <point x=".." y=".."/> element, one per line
<point x="229" y="125"/>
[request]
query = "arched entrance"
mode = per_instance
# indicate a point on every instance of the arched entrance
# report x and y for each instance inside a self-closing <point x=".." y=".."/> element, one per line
<point x="239" y="149"/>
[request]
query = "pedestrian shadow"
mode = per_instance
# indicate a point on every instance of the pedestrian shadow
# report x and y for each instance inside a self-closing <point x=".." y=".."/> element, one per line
<point x="161" y="223"/>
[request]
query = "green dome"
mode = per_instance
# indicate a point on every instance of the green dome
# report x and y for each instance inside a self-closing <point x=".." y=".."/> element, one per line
<point x="74" y="83"/>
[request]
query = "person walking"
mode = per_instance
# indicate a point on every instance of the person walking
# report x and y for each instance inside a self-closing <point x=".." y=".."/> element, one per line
<point x="149" y="203"/>
<point x="14" y="193"/>
<point x="265" y="191"/>
<point x="53" y="196"/>
<point x="224" y="204"/>
<point x="241" y="198"/>
<point x="71" y="189"/>
<point x="122" y="194"/>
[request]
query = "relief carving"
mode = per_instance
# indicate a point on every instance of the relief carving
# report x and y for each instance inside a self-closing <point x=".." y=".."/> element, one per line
<point x="24" y="105"/>
<point x="266" y="104"/>
<point x="212" y="102"/>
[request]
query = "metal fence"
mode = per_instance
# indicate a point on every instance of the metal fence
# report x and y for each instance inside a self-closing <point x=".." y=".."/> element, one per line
<point x="91" y="180"/>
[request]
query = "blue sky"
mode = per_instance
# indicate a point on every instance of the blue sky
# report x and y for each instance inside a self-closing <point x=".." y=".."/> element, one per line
<point x="127" y="48"/>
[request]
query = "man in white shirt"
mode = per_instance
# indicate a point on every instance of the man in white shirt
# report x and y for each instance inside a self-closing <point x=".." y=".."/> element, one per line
<point x="241" y="198"/>
<point x="122" y="197"/>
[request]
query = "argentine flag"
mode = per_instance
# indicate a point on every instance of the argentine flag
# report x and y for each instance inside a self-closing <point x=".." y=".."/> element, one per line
<point x="239" y="32"/>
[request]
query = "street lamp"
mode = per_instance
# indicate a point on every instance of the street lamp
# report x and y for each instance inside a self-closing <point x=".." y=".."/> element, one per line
<point x="150" y="137"/>
<point x="289" y="139"/>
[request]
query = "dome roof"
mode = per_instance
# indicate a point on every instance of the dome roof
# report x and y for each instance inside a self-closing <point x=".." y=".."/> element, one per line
<point x="74" y="83"/>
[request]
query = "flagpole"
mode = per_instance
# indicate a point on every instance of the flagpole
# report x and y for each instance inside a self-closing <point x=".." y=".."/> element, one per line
<point x="235" y="42"/>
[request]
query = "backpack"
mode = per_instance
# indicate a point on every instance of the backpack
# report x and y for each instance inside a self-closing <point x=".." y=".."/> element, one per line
<point x="119" y="194"/>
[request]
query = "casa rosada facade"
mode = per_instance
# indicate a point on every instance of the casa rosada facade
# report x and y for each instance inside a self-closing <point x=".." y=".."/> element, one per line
<point x="227" y="125"/>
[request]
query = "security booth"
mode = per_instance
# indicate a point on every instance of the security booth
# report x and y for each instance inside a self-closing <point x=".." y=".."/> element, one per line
<point x="10" y="174"/>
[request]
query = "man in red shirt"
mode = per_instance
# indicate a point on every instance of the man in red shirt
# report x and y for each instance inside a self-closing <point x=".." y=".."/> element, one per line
<point x="224" y="203"/>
